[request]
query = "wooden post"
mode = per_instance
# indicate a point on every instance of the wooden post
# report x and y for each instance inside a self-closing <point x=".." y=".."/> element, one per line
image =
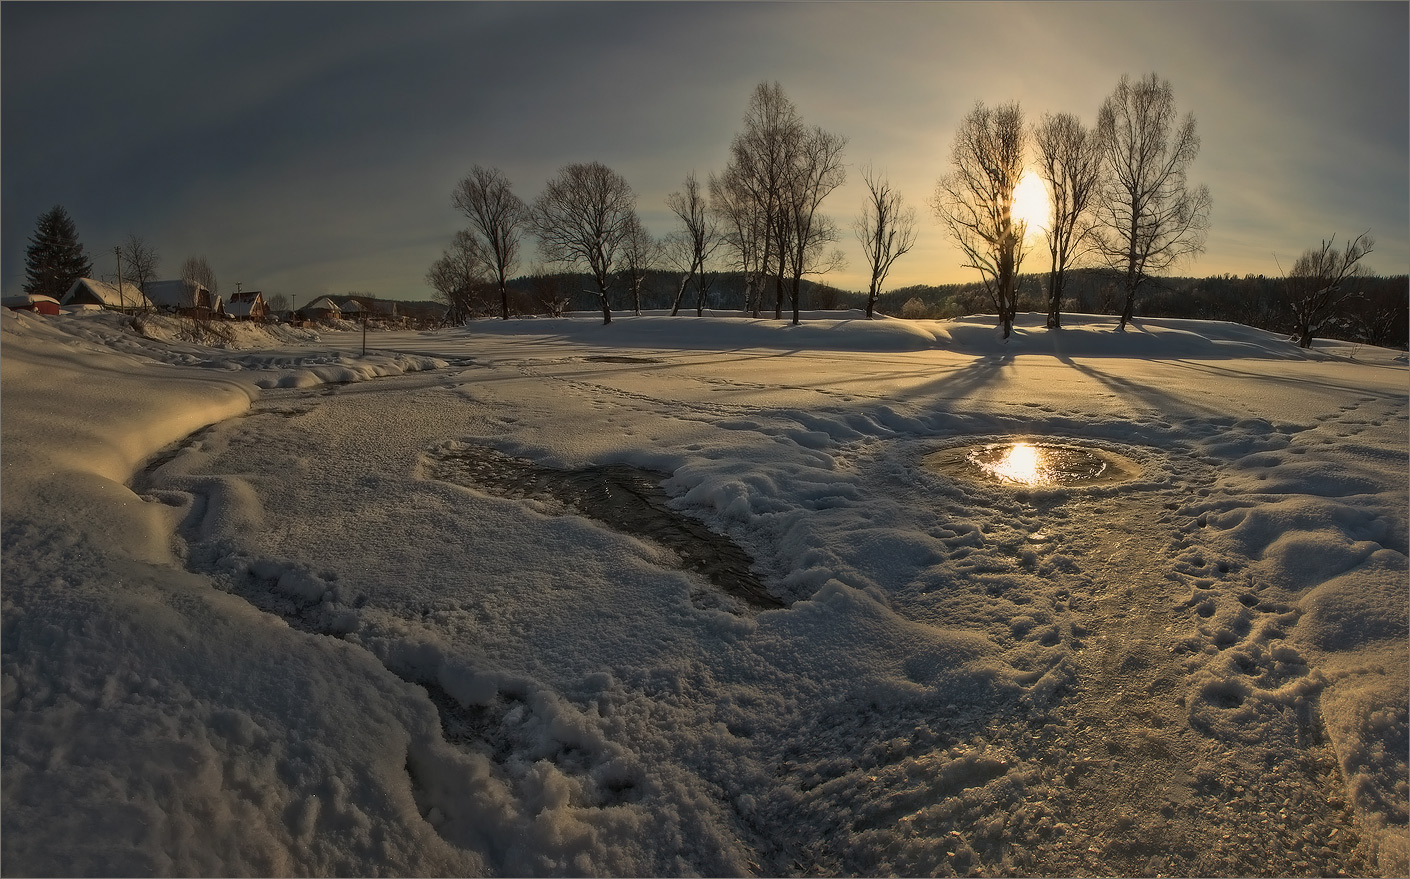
<point x="122" y="303"/>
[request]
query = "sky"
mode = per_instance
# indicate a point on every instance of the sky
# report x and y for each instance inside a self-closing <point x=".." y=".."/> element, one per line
<point x="311" y="148"/>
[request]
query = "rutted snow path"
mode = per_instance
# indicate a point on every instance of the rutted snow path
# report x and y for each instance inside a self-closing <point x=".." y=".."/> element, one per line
<point x="1151" y="677"/>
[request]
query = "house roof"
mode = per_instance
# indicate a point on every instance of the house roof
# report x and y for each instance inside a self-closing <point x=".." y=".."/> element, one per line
<point x="352" y="306"/>
<point x="25" y="300"/>
<point x="321" y="304"/>
<point x="92" y="290"/>
<point x="240" y="308"/>
<point x="174" y="294"/>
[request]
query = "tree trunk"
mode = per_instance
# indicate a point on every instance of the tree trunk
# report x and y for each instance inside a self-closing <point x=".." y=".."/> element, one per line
<point x="503" y="301"/>
<point x="700" y="301"/>
<point x="871" y="300"/>
<point x="606" y="306"/>
<point x="797" y="283"/>
<point x="1128" y="311"/>
<point x="680" y="292"/>
<point x="1055" y="280"/>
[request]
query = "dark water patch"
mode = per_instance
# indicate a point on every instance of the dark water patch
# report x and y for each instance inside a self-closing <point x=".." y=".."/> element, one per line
<point x="621" y="358"/>
<point x="624" y="498"/>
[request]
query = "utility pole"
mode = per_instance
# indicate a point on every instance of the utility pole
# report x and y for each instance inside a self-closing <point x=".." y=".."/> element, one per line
<point x="122" y="303"/>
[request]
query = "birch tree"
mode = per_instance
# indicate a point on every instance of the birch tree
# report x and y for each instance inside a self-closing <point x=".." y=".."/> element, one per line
<point x="742" y="231"/>
<point x="640" y="252"/>
<point x="761" y="160"/>
<point x="1070" y="163"/>
<point x="815" y="170"/>
<point x="975" y="201"/>
<point x="699" y="235"/>
<point x="886" y="229"/>
<point x="498" y="219"/>
<point x="1151" y="216"/>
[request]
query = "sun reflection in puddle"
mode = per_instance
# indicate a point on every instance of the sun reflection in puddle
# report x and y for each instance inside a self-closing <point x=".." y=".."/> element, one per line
<point x="1023" y="463"/>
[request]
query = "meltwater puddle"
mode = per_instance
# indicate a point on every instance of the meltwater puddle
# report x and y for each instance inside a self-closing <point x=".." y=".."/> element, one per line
<point x="1034" y="464"/>
<point x="625" y="498"/>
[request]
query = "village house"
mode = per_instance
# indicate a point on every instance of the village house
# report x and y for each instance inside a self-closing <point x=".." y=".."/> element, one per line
<point x="187" y="298"/>
<point x="248" y="305"/>
<point x="92" y="293"/>
<point x="35" y="302"/>
<point x="322" y="308"/>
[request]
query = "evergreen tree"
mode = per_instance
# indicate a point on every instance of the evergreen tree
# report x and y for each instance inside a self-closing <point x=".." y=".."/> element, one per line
<point x="55" y="258"/>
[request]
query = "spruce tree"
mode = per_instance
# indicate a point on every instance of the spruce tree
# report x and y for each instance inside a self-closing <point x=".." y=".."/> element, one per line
<point x="55" y="258"/>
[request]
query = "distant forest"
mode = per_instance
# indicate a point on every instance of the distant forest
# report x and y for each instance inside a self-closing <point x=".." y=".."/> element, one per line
<point x="1377" y="315"/>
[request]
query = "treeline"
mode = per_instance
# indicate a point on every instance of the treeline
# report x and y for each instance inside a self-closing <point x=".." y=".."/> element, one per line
<point x="1377" y="313"/>
<point x="556" y="293"/>
<point x="1376" y="310"/>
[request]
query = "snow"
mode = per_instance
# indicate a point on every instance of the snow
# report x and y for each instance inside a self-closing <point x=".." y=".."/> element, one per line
<point x="250" y="627"/>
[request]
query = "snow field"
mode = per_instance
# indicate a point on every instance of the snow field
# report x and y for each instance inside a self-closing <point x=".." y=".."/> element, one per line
<point x="968" y="678"/>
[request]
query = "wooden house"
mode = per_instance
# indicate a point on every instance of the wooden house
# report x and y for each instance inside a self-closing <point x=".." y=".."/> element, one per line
<point x="92" y="293"/>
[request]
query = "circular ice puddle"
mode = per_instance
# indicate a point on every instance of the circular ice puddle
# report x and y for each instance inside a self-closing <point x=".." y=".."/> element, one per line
<point x="1033" y="464"/>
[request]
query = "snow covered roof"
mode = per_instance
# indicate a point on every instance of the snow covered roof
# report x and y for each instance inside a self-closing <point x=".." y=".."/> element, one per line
<point x="26" y="299"/>
<point x="176" y="294"/>
<point x="352" y="306"/>
<point x="241" y="308"/>
<point x="322" y="304"/>
<point x="90" y="291"/>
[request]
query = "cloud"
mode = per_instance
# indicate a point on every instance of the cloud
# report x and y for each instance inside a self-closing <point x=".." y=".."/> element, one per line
<point x="264" y="131"/>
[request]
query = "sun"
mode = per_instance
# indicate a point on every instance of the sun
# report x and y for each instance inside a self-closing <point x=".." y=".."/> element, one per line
<point x="1030" y="203"/>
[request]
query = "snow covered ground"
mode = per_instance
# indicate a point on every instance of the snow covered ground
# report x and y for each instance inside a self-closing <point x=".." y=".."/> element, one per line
<point x="261" y="617"/>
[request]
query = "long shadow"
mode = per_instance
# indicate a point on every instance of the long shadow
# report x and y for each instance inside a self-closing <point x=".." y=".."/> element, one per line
<point x="1165" y="403"/>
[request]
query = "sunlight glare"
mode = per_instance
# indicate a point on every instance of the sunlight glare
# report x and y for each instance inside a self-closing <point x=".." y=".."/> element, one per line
<point x="1021" y="464"/>
<point x="1030" y="203"/>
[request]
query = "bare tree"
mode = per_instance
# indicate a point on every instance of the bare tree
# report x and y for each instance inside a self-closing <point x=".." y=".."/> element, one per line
<point x="1151" y="216"/>
<point x="456" y="275"/>
<point x="498" y="219"/>
<point x="1314" y="287"/>
<point x="583" y="218"/>
<point x="742" y="230"/>
<point x="699" y="236"/>
<point x="196" y="270"/>
<point x="278" y="302"/>
<point x="1070" y="162"/>
<point x="975" y="200"/>
<point x="816" y="170"/>
<point x="761" y="163"/>
<point x="886" y="229"/>
<point x="139" y="262"/>
<point x="640" y="252"/>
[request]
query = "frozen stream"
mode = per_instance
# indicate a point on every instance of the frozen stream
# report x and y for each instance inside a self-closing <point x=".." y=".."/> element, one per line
<point x="1199" y="670"/>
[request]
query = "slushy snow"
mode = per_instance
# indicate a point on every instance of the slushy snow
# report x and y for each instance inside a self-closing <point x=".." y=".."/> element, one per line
<point x="249" y="628"/>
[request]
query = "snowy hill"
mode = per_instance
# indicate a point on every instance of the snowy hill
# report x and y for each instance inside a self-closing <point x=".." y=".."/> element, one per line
<point x="279" y="607"/>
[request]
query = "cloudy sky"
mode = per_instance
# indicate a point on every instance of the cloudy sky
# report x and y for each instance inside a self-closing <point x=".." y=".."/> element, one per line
<point x="312" y="148"/>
